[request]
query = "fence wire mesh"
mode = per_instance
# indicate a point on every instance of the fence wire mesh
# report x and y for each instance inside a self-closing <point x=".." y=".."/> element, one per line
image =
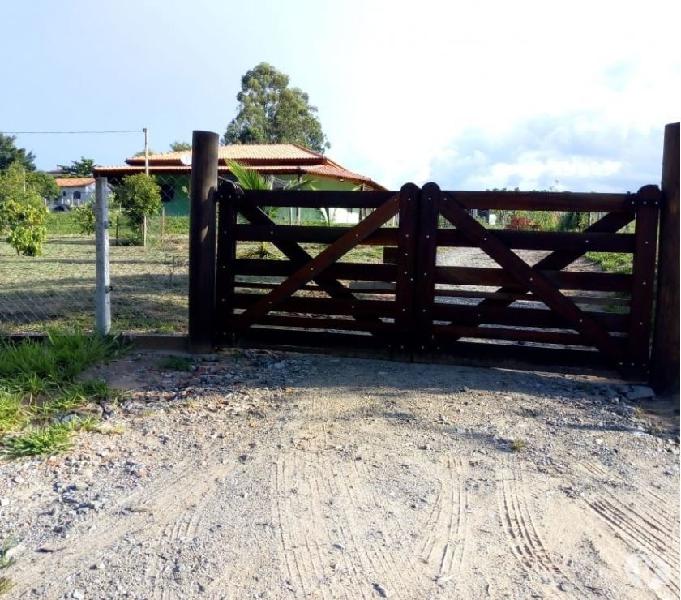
<point x="149" y="282"/>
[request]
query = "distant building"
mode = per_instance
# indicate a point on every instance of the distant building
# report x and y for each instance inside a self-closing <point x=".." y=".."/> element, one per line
<point x="284" y="163"/>
<point x="73" y="191"/>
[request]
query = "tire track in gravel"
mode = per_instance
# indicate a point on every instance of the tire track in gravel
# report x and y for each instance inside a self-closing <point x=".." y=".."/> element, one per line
<point x="651" y="537"/>
<point x="652" y="509"/>
<point x="158" y="505"/>
<point x="400" y="563"/>
<point x="522" y="534"/>
<point x="304" y="563"/>
<point x="447" y="527"/>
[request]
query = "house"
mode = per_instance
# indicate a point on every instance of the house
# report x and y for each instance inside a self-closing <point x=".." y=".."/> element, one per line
<point x="73" y="191"/>
<point x="284" y="163"/>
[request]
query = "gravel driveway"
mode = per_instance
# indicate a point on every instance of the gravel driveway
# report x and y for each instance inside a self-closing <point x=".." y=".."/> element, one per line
<point x="270" y="475"/>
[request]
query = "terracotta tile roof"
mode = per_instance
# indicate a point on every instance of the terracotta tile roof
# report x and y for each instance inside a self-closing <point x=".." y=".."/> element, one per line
<point x="265" y="158"/>
<point x="240" y="152"/>
<point x="74" y="181"/>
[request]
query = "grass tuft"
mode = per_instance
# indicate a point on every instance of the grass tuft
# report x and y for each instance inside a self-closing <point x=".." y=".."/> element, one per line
<point x="518" y="445"/>
<point x="38" y="441"/>
<point x="176" y="363"/>
<point x="5" y="585"/>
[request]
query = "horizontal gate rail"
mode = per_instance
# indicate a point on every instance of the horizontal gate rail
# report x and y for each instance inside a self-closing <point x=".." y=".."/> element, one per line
<point x="565" y="280"/>
<point x="547" y="240"/>
<point x="310" y="234"/>
<point x="545" y="201"/>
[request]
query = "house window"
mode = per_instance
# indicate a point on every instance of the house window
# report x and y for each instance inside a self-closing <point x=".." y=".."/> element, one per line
<point x="76" y="195"/>
<point x="63" y="193"/>
<point x="167" y="192"/>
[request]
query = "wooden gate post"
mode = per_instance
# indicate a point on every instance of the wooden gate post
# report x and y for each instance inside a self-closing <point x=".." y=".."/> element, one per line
<point x="665" y="355"/>
<point x="204" y="180"/>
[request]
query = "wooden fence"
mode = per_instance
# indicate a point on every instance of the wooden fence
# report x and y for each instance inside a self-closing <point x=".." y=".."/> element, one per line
<point x="319" y="291"/>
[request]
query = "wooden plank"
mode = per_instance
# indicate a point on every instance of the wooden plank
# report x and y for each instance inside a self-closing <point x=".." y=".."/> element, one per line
<point x="343" y="271"/>
<point x="544" y="201"/>
<point x="512" y="334"/>
<point x="665" y="363"/>
<point x="566" y="280"/>
<point x="534" y="280"/>
<point x="226" y="255"/>
<point x="406" y="265"/>
<point x="425" y="264"/>
<point x="363" y="309"/>
<point x="317" y="199"/>
<point x="290" y="338"/>
<point x="309" y="234"/>
<point x="321" y="262"/>
<point x="322" y="323"/>
<point x="643" y="279"/>
<point x="547" y="240"/>
<point x="607" y="300"/>
<point x="460" y="314"/>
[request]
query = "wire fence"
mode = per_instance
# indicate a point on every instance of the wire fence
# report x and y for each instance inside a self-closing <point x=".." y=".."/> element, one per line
<point x="149" y="283"/>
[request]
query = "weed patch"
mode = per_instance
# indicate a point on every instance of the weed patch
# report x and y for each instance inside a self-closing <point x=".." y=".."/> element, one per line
<point x="176" y="363"/>
<point x="41" y="404"/>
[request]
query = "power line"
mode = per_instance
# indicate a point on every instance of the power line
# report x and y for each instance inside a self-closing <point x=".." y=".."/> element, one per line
<point x="72" y="132"/>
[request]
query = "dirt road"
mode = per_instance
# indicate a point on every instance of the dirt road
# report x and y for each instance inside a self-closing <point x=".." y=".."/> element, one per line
<point x="291" y="476"/>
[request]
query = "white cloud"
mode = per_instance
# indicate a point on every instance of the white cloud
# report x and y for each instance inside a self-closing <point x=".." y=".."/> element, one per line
<point x="601" y="72"/>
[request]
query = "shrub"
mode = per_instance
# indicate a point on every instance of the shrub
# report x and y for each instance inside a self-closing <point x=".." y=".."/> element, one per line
<point x="25" y="223"/>
<point x="85" y="217"/>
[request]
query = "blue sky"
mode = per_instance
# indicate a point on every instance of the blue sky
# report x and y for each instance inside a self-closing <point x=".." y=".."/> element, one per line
<point x="570" y="95"/>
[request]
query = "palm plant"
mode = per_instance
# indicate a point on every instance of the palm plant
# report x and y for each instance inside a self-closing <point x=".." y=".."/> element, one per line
<point x="250" y="179"/>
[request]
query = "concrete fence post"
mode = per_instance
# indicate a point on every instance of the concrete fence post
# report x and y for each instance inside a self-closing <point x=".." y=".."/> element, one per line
<point x="102" y="281"/>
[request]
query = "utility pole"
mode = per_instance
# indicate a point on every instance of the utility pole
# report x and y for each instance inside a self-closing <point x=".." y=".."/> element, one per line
<point x="146" y="172"/>
<point x="146" y="150"/>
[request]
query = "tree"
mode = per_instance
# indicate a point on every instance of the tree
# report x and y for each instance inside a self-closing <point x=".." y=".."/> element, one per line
<point x="180" y="147"/>
<point x="140" y="197"/>
<point x="22" y="211"/>
<point x="272" y="112"/>
<point x="10" y="154"/>
<point x="78" y="168"/>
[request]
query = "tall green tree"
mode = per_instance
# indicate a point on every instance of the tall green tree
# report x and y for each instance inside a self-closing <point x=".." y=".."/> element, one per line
<point x="180" y="147"/>
<point x="272" y="112"/>
<point x="78" y="168"/>
<point x="10" y="154"/>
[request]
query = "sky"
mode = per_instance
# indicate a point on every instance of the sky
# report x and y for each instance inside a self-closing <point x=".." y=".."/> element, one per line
<point x="566" y="95"/>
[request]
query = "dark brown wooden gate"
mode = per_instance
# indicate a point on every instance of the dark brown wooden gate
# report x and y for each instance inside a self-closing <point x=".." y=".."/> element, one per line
<point x="320" y="290"/>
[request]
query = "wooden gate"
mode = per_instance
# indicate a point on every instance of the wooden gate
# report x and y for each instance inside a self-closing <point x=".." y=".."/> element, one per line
<point x="320" y="290"/>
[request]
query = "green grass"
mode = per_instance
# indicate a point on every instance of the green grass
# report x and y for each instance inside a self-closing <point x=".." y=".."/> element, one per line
<point x="176" y="363"/>
<point x="518" y="445"/>
<point x="6" y="561"/>
<point x="611" y="262"/>
<point x="41" y="401"/>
